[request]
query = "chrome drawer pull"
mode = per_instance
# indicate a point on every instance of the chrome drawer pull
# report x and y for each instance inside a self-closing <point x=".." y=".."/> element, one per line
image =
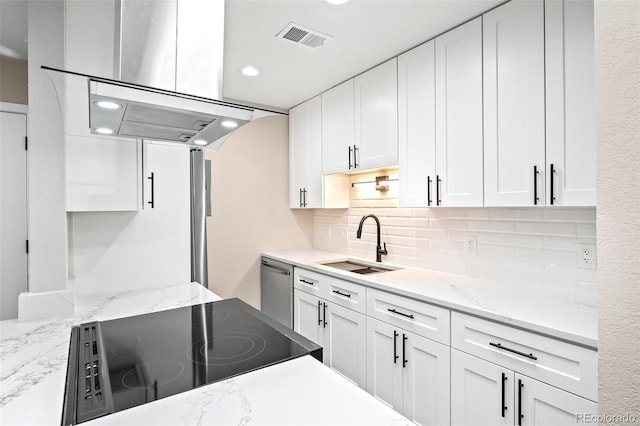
<point x="400" y="313"/>
<point x="499" y="345"/>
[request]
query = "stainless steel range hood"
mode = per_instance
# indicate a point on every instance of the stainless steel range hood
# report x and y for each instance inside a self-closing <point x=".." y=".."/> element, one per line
<point x="167" y="78"/>
<point x="127" y="110"/>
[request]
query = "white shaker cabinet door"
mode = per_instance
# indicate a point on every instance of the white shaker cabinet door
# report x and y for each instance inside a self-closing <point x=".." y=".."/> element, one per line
<point x="417" y="126"/>
<point x="384" y="366"/>
<point x="570" y="81"/>
<point x="338" y="129"/>
<point x="102" y="174"/>
<point x="345" y="340"/>
<point x="426" y="384"/>
<point x="305" y="154"/>
<point x="376" y="116"/>
<point x="514" y="114"/>
<point x="307" y="312"/>
<point x="543" y="405"/>
<point x="481" y="392"/>
<point x="459" y="116"/>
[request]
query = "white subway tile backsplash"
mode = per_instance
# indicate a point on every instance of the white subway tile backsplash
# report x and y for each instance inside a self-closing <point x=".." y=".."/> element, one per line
<point x="547" y="228"/>
<point x="534" y="246"/>
<point x="491" y="226"/>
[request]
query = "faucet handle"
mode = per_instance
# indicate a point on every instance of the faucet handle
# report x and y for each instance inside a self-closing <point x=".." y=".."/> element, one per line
<point x="383" y="250"/>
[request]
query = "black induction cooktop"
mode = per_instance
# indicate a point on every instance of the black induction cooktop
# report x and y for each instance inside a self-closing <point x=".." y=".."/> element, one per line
<point x="122" y="363"/>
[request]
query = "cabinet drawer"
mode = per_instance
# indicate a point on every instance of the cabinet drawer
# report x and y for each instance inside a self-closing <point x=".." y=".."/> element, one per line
<point x="552" y="361"/>
<point x="345" y="293"/>
<point x="308" y="281"/>
<point x="421" y="318"/>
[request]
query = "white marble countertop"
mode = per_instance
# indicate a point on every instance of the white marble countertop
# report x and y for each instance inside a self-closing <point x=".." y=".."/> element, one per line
<point x="573" y="318"/>
<point x="33" y="361"/>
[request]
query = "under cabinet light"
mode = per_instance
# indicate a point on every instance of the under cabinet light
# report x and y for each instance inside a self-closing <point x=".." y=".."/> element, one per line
<point x="381" y="183"/>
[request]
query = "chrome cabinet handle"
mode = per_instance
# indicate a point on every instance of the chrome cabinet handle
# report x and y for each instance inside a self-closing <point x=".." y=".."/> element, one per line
<point x="349" y="158"/>
<point x="438" y="181"/>
<point x="428" y="190"/>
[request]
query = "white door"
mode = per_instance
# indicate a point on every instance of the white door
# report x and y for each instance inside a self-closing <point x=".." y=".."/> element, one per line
<point x="459" y="116"/>
<point x="338" y="129"/>
<point x="543" y="405"/>
<point x="570" y="109"/>
<point x="307" y="318"/>
<point x="384" y="363"/>
<point x="426" y="383"/>
<point x="514" y="114"/>
<point x="376" y="116"/>
<point x="417" y="126"/>
<point x="13" y="212"/>
<point x="478" y="389"/>
<point x="345" y="341"/>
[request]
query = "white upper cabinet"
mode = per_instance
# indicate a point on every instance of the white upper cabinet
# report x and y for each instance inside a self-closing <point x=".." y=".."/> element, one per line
<point x="102" y="174"/>
<point x="360" y="122"/>
<point x="417" y="126"/>
<point x="338" y="128"/>
<point x="305" y="154"/>
<point x="376" y="117"/>
<point x="570" y="80"/>
<point x="459" y="116"/>
<point x="514" y="104"/>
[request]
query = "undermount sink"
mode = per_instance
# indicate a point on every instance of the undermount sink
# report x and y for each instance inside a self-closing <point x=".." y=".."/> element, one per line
<point x="357" y="267"/>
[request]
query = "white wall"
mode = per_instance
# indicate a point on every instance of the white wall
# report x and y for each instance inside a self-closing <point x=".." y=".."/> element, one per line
<point x="47" y="221"/>
<point x="617" y="36"/>
<point x="250" y="207"/>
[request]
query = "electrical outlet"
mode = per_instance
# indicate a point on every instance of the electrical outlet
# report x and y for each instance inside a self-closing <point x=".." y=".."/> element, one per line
<point x="587" y="256"/>
<point x="470" y="244"/>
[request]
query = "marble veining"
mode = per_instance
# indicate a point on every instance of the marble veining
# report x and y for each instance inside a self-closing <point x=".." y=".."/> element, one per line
<point x="33" y="361"/>
<point x="571" y="317"/>
<point x="32" y="350"/>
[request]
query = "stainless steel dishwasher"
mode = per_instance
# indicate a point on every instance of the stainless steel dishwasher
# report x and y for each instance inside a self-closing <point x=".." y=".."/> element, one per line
<point x="276" y="290"/>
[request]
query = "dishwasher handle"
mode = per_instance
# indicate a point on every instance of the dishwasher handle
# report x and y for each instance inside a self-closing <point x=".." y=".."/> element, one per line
<point x="274" y="269"/>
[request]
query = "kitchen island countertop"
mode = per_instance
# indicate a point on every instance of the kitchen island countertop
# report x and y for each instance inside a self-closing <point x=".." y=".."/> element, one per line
<point x="33" y="361"/>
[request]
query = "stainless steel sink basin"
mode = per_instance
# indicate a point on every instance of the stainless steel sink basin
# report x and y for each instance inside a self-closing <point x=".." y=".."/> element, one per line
<point x="357" y="267"/>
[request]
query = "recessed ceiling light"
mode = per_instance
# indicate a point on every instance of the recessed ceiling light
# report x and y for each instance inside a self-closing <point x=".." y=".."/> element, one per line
<point x="337" y="1"/>
<point x="229" y="124"/>
<point x="104" y="131"/>
<point x="250" y="71"/>
<point x="107" y="104"/>
<point x="200" y="142"/>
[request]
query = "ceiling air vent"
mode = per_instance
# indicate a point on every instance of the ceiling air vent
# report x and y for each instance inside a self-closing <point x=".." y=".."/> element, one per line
<point x="303" y="36"/>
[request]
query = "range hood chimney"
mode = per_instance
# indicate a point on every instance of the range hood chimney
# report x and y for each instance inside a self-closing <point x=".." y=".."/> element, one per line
<point x="168" y="78"/>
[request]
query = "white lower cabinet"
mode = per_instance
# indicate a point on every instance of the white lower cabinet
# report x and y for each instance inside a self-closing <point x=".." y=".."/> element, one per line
<point x="408" y="372"/>
<point x="483" y="393"/>
<point x="340" y="331"/>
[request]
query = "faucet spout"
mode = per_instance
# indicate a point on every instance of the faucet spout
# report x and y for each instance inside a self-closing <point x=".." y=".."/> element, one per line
<point x="380" y="250"/>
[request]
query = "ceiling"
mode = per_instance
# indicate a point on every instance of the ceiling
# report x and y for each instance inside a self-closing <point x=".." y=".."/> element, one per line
<point x="365" y="33"/>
